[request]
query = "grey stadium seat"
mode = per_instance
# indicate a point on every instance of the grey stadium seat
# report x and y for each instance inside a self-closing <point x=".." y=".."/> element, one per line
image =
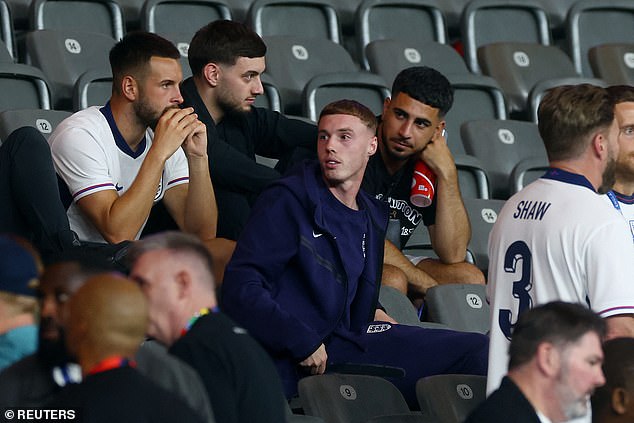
<point x="450" y="398"/>
<point x="93" y="88"/>
<point x="293" y="61"/>
<point x="415" y="21"/>
<point x="101" y="16"/>
<point x="613" y="63"/>
<point x="44" y="121"/>
<point x="6" y="28"/>
<point x="368" y="89"/>
<point x="490" y="21"/>
<point x="482" y="214"/>
<point x="501" y="145"/>
<point x="595" y="22"/>
<point x="303" y="18"/>
<point x="345" y="398"/>
<point x="166" y="16"/>
<point x="519" y="67"/>
<point x="64" y="56"/>
<point x="398" y="306"/>
<point x="388" y="57"/>
<point x="459" y="306"/>
<point x="23" y="87"/>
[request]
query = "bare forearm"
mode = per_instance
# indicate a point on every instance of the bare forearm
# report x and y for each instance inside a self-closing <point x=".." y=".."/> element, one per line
<point x="201" y="212"/>
<point x="418" y="279"/>
<point x="621" y="326"/>
<point x="127" y="214"/>
<point x="452" y="231"/>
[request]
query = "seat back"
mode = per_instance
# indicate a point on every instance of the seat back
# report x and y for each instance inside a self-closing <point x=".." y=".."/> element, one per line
<point x="475" y="97"/>
<point x="101" y="16"/>
<point x="304" y="18"/>
<point x="93" y="88"/>
<point x="7" y="35"/>
<point x="64" y="56"/>
<point x="350" y="398"/>
<point x="293" y="61"/>
<point x="44" y="121"/>
<point x="181" y="40"/>
<point x="482" y="214"/>
<point x="23" y="87"/>
<point x="388" y="57"/>
<point x="450" y="398"/>
<point x="415" y="21"/>
<point x="517" y="67"/>
<point x="461" y="307"/>
<point x="163" y="16"/>
<point x="398" y="306"/>
<point x="614" y="63"/>
<point x="594" y="22"/>
<point x="491" y="21"/>
<point x="367" y="89"/>
<point x="500" y="145"/>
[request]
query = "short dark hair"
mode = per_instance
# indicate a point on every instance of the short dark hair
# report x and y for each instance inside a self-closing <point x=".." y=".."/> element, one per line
<point x="557" y="322"/>
<point x="131" y="55"/>
<point x="621" y="93"/>
<point x="569" y="113"/>
<point x="352" y="108"/>
<point x="223" y="42"/>
<point x="426" y="85"/>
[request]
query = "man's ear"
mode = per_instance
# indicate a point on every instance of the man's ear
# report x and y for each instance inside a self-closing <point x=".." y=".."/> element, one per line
<point x="620" y="400"/>
<point x="386" y="104"/>
<point x="130" y="88"/>
<point x="184" y="284"/>
<point x="211" y="73"/>
<point x="600" y="145"/>
<point x="373" y="145"/>
<point x="548" y="359"/>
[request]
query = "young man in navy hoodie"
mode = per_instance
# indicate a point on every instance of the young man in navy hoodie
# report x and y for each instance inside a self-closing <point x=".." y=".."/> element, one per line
<point x="304" y="279"/>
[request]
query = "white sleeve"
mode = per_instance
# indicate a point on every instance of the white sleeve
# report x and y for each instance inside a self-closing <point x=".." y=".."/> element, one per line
<point x="610" y="284"/>
<point x="176" y="170"/>
<point x="81" y="162"/>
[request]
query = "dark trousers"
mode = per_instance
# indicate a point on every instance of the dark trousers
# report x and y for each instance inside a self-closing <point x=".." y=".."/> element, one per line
<point x="30" y="204"/>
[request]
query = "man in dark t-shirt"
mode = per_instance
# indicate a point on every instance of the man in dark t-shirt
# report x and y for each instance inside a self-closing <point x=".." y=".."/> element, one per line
<point x="411" y="129"/>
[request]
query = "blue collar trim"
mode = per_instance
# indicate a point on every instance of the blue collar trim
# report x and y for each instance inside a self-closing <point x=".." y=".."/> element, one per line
<point x="118" y="138"/>
<point x="568" y="177"/>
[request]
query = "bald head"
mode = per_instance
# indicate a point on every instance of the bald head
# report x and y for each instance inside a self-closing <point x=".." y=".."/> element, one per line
<point x="107" y="316"/>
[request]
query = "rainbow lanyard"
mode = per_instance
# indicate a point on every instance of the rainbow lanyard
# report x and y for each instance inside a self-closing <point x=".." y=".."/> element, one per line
<point x="110" y="363"/>
<point x="202" y="312"/>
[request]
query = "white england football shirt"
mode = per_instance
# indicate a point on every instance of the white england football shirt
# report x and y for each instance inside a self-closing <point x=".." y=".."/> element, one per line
<point x="557" y="239"/>
<point x="90" y="155"/>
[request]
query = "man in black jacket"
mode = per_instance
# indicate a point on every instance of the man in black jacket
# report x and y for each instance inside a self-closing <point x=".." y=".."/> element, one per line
<point x="227" y="60"/>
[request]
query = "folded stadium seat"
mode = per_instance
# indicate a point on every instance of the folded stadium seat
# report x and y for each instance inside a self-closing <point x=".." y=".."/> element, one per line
<point x="450" y="398"/>
<point x="64" y="55"/>
<point x="398" y="306"/>
<point x="482" y="215"/>
<point x="23" y="87"/>
<point x="100" y="16"/>
<point x="595" y="22"/>
<point x="346" y="398"/>
<point x="93" y="88"/>
<point x="459" y="306"/>
<point x="452" y="9"/>
<point x="490" y="21"/>
<point x="164" y="16"/>
<point x="366" y="88"/>
<point x="43" y="120"/>
<point x="504" y="146"/>
<point x="416" y="21"/>
<point x="304" y="18"/>
<point x="613" y="63"/>
<point x="388" y="57"/>
<point x="293" y="61"/>
<point x="521" y="68"/>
